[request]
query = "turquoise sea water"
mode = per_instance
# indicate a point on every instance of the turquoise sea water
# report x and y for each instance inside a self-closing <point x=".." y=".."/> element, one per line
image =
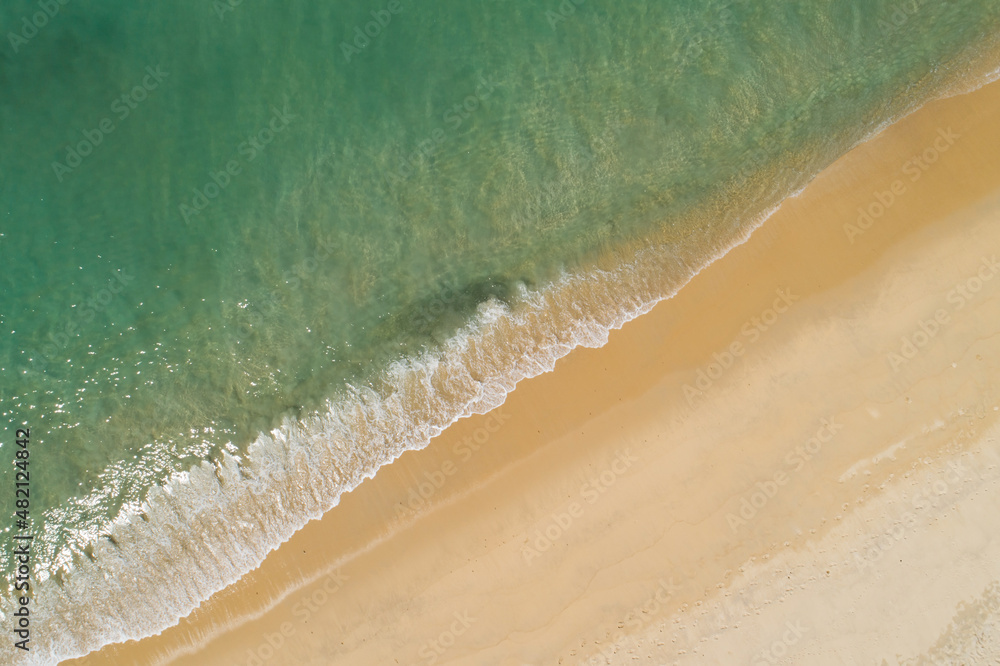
<point x="226" y="220"/>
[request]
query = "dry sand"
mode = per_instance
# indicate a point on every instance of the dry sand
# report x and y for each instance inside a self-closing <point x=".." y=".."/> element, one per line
<point x="808" y="498"/>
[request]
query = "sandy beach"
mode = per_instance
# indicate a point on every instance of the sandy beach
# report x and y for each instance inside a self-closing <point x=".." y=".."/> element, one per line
<point x="794" y="460"/>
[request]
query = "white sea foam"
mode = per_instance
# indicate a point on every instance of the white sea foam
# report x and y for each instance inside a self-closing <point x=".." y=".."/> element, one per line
<point x="205" y="529"/>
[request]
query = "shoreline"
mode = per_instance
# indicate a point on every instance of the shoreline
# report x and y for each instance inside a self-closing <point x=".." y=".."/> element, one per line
<point x="510" y="450"/>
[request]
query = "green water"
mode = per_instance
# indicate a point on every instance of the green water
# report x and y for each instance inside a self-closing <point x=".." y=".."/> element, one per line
<point x="371" y="203"/>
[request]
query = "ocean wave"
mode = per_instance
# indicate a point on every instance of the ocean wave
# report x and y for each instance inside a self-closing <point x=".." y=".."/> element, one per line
<point x="208" y="527"/>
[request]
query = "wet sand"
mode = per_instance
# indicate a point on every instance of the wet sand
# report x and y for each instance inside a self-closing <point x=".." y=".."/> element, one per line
<point x="757" y="471"/>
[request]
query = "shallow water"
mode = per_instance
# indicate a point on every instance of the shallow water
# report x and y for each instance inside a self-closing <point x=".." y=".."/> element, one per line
<point x="270" y="218"/>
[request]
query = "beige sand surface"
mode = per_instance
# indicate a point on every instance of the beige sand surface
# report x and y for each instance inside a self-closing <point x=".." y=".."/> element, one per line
<point x="796" y="506"/>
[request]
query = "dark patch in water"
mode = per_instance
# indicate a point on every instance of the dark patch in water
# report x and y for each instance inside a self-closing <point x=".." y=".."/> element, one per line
<point x="432" y="318"/>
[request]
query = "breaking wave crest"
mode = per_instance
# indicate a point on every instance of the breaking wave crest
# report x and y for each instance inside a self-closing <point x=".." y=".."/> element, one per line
<point x="208" y="527"/>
